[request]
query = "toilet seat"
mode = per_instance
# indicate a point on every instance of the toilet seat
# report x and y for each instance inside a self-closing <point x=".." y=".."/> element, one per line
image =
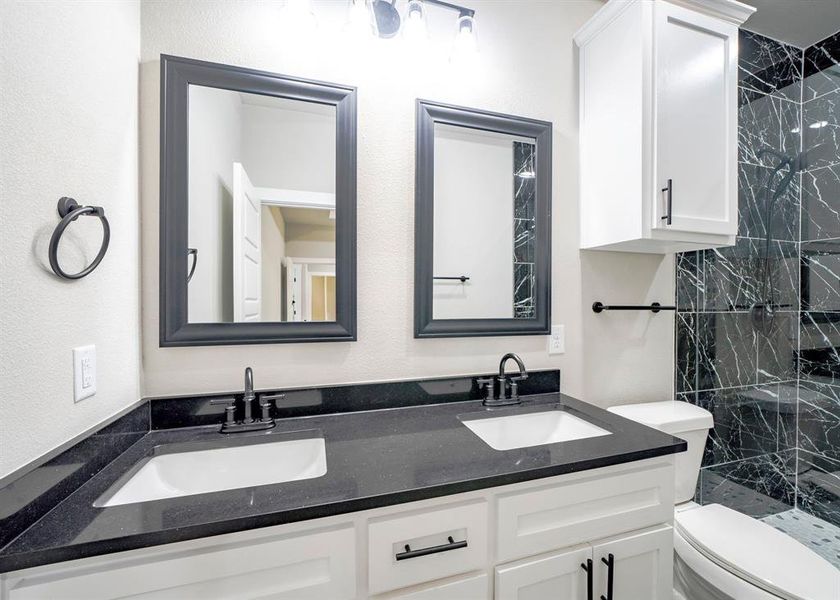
<point x="757" y="554"/>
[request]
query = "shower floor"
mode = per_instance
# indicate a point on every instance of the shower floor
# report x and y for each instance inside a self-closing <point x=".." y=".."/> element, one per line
<point x="820" y="536"/>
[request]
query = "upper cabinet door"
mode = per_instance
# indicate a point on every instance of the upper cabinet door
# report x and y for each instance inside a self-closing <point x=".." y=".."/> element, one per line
<point x="695" y="120"/>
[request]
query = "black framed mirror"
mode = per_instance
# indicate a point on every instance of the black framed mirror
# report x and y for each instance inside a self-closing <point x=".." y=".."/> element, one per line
<point x="257" y="207"/>
<point x="482" y="237"/>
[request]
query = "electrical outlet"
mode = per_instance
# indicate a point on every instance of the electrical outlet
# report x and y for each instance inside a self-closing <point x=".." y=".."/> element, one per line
<point x="84" y="372"/>
<point x="557" y="340"/>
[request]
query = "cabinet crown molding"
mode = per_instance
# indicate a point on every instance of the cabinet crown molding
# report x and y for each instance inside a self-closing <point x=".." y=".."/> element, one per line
<point x="728" y="10"/>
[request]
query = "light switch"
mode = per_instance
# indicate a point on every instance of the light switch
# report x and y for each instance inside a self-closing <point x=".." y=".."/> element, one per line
<point x="557" y="340"/>
<point x="84" y="372"/>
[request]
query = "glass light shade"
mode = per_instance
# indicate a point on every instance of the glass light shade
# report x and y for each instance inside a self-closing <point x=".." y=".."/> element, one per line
<point x="414" y="25"/>
<point x="466" y="44"/>
<point x="360" y="20"/>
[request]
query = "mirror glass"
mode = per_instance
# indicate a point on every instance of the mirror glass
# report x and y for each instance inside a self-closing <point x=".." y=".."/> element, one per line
<point x="262" y="218"/>
<point x="484" y="224"/>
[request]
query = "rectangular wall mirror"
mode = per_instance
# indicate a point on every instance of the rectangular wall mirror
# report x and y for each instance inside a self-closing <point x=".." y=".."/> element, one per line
<point x="482" y="223"/>
<point x="258" y="195"/>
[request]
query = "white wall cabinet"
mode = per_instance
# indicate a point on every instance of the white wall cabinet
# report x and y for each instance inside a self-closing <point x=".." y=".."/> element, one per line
<point x="522" y="541"/>
<point x="659" y="125"/>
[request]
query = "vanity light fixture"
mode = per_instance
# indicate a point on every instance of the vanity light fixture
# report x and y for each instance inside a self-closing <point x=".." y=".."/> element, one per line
<point x="385" y="22"/>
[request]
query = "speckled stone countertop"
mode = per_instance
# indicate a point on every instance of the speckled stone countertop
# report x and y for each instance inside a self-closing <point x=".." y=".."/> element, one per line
<point x="374" y="458"/>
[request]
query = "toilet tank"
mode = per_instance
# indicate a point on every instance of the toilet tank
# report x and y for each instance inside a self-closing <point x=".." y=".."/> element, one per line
<point x="683" y="420"/>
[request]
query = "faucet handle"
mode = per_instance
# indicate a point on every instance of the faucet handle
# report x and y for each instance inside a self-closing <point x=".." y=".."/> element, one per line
<point x="266" y="399"/>
<point x="230" y="408"/>
<point x="487" y="384"/>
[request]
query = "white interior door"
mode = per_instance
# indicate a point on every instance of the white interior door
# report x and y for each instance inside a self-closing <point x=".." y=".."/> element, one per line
<point x="247" y="235"/>
<point x="558" y="576"/>
<point x="696" y="121"/>
<point x="643" y="565"/>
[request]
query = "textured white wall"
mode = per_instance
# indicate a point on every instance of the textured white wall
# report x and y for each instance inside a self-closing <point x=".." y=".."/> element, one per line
<point x="68" y="126"/>
<point x="526" y="66"/>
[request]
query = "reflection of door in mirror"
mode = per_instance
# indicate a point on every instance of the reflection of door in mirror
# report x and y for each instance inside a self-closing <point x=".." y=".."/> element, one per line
<point x="484" y="224"/>
<point x="311" y="289"/>
<point x="261" y="201"/>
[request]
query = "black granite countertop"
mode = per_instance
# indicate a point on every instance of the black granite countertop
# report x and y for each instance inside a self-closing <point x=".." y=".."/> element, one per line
<point x="374" y="458"/>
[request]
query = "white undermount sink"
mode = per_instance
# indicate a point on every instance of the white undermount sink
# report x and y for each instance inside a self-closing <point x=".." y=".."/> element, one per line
<point x="226" y="468"/>
<point x="532" y="429"/>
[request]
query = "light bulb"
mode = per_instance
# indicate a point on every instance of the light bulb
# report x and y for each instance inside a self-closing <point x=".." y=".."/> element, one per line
<point x="465" y="47"/>
<point x="360" y="21"/>
<point x="414" y="25"/>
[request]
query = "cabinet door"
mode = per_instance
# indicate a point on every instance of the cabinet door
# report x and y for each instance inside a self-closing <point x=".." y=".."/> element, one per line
<point x="695" y="120"/>
<point x="558" y="576"/>
<point x="642" y="565"/>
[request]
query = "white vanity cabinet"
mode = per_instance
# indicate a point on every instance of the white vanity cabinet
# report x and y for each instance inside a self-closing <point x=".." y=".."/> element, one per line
<point x="659" y="125"/>
<point x="526" y="540"/>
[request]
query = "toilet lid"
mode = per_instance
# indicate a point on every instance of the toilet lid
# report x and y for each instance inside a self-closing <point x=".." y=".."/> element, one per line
<point x="758" y="553"/>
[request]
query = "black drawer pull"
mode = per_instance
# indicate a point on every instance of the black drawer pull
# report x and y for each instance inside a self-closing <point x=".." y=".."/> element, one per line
<point x="409" y="553"/>
<point x="587" y="566"/>
<point x="610" y="562"/>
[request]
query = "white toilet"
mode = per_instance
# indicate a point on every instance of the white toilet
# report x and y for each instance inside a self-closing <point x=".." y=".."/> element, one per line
<point x="721" y="554"/>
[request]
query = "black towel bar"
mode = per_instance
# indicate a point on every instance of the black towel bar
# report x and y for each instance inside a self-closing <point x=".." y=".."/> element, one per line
<point x="654" y="307"/>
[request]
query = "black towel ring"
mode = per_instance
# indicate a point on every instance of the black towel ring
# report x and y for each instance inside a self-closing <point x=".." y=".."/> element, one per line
<point x="69" y="210"/>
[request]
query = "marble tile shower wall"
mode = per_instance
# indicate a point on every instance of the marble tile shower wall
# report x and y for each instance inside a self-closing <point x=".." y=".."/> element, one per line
<point x="772" y="377"/>
<point x="818" y="436"/>
<point x="735" y="361"/>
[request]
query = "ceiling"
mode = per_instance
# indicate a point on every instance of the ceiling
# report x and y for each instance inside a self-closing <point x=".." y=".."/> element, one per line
<point x="307" y="216"/>
<point x="798" y="22"/>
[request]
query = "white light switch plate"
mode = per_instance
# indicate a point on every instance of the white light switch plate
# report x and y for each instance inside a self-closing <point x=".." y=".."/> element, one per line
<point x="84" y="372"/>
<point x="557" y="340"/>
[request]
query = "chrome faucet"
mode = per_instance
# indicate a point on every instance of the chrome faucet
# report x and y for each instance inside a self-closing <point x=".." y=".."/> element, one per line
<point x="248" y="423"/>
<point x="504" y="382"/>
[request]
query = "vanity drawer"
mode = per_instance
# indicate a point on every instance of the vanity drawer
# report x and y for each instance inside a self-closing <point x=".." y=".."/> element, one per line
<point x="559" y="516"/>
<point x="391" y="566"/>
<point x="314" y="565"/>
